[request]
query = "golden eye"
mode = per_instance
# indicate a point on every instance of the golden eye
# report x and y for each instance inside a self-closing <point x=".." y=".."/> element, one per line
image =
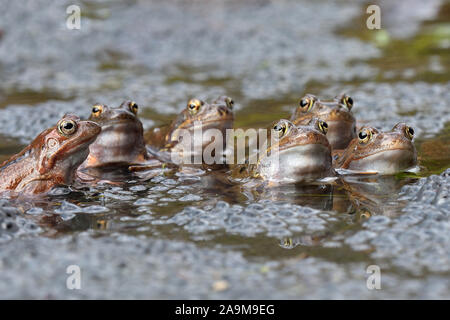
<point x="409" y="132"/>
<point x="307" y="103"/>
<point x="67" y="127"/>
<point x="347" y="101"/>
<point x="323" y="126"/>
<point x="280" y="129"/>
<point x="97" y="110"/>
<point x="364" y="136"/>
<point x="229" y="102"/>
<point x="194" y="105"/>
<point x="133" y="107"/>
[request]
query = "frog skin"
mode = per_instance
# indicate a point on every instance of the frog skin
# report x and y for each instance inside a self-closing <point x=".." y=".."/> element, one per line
<point x="374" y="151"/>
<point x="51" y="159"/>
<point x="303" y="153"/>
<point x="197" y="115"/>
<point x="337" y="114"/>
<point x="121" y="142"/>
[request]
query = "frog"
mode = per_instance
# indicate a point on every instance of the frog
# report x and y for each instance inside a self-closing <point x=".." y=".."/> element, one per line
<point x="51" y="159"/>
<point x="198" y="115"/>
<point x="297" y="154"/>
<point x="379" y="152"/>
<point x="121" y="142"/>
<point x="336" y="113"/>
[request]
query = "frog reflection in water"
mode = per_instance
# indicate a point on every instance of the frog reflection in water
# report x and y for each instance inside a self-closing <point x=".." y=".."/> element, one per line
<point x="337" y="114"/>
<point x="299" y="153"/>
<point x="51" y="159"/>
<point x="198" y="115"/>
<point x="368" y="195"/>
<point x="374" y="151"/>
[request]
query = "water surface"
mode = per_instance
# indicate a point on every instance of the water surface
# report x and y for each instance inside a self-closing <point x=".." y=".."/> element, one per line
<point x="178" y="234"/>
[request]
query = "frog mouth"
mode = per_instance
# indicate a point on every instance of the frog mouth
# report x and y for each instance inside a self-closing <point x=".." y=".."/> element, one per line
<point x="387" y="161"/>
<point x="84" y="143"/>
<point x="219" y="124"/>
<point x="391" y="154"/>
<point x="337" y="116"/>
<point x="122" y="126"/>
<point x="210" y="123"/>
<point x="121" y="119"/>
<point x="76" y="149"/>
<point x="91" y="132"/>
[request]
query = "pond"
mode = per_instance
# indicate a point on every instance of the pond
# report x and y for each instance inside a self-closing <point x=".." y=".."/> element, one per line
<point x="186" y="234"/>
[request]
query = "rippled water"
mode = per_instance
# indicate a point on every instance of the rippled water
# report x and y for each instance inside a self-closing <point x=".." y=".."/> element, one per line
<point x="180" y="233"/>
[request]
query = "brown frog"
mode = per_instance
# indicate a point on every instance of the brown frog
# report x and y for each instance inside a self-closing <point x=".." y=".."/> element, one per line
<point x="121" y="142"/>
<point x="51" y="159"/>
<point x="337" y="113"/>
<point x="198" y="116"/>
<point x="299" y="153"/>
<point x="380" y="152"/>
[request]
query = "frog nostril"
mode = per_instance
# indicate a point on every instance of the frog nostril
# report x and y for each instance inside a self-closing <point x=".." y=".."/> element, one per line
<point x="222" y="111"/>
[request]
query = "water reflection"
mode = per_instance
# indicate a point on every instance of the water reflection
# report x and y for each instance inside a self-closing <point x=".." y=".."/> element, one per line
<point x="373" y="195"/>
<point x="312" y="214"/>
<point x="358" y="197"/>
<point x="316" y="196"/>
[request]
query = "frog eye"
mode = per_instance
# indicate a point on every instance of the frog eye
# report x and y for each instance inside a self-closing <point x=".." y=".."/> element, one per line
<point x="364" y="136"/>
<point x="133" y="107"/>
<point x="97" y="110"/>
<point x="67" y="127"/>
<point x="306" y="103"/>
<point x="323" y="126"/>
<point x="229" y="102"/>
<point x="347" y="101"/>
<point x="409" y="132"/>
<point x="281" y="129"/>
<point x="194" y="105"/>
